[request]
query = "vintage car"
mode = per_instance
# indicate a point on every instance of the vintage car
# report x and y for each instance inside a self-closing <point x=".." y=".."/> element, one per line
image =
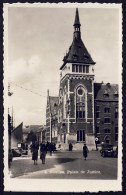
<point x="16" y="152"/>
<point x="107" y="150"/>
<point x="23" y="148"/>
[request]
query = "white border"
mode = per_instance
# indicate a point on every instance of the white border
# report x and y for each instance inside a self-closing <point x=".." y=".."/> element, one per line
<point x="59" y="185"/>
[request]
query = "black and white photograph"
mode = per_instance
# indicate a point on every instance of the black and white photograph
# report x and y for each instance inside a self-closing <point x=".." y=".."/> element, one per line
<point x="62" y="97"/>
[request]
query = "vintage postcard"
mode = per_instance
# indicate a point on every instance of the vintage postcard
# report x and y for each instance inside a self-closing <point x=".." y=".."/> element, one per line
<point x="62" y="97"/>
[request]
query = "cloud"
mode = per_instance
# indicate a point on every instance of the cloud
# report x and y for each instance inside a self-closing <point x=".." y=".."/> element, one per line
<point x="29" y="77"/>
<point x="31" y="118"/>
<point x="23" y="70"/>
<point x="34" y="65"/>
<point x="17" y="70"/>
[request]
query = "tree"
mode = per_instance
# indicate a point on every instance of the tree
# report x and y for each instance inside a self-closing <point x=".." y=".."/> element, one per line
<point x="31" y="137"/>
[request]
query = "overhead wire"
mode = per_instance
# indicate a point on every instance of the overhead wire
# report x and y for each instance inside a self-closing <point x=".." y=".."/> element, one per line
<point x="29" y="90"/>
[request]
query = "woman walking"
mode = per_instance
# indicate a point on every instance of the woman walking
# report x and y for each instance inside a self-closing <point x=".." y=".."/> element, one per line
<point x="34" y="150"/>
<point x="85" y="151"/>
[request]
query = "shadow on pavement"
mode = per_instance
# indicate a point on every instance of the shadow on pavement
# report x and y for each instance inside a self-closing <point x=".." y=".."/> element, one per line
<point x="22" y="167"/>
<point x="63" y="160"/>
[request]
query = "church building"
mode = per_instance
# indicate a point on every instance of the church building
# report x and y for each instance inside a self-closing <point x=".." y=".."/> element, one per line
<point x="79" y="99"/>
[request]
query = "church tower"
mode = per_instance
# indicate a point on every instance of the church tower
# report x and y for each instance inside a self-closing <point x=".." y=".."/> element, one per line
<point x="76" y="94"/>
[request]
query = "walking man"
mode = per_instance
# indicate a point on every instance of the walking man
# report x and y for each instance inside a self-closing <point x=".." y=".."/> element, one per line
<point x="85" y="151"/>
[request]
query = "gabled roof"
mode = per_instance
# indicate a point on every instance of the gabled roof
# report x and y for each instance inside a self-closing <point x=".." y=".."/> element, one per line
<point x="19" y="127"/>
<point x="106" y="92"/>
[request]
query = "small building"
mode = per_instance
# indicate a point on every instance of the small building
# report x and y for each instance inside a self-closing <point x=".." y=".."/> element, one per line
<point x="16" y="136"/>
<point x="106" y="112"/>
<point x="52" y="118"/>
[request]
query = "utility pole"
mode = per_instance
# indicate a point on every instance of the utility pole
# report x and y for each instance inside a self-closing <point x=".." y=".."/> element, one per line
<point x="10" y="119"/>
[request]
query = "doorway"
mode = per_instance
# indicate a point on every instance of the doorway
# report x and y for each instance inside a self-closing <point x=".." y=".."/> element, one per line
<point x="80" y="135"/>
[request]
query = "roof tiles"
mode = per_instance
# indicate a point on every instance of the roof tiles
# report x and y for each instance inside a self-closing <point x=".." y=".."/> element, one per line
<point x="106" y="92"/>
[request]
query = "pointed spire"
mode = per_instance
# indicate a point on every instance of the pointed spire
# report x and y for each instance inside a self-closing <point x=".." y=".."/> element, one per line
<point x="77" y="21"/>
<point x="77" y="33"/>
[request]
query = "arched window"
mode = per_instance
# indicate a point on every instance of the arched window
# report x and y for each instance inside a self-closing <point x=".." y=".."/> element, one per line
<point x="80" y="110"/>
<point x="80" y="102"/>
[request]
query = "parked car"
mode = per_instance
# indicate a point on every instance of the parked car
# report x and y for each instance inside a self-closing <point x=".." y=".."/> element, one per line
<point x="107" y="150"/>
<point x="16" y="152"/>
<point x="23" y="148"/>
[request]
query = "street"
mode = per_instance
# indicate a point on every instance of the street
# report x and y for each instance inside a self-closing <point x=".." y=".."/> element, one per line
<point x="66" y="165"/>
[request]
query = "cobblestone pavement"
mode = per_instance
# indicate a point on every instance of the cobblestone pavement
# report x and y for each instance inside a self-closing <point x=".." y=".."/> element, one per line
<point x="65" y="164"/>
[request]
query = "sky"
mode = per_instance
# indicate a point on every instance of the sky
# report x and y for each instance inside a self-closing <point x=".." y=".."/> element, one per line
<point x="38" y="38"/>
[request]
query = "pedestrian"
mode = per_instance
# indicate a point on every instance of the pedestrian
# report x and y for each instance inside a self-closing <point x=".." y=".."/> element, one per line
<point x="34" y="150"/>
<point x="59" y="146"/>
<point x="47" y="146"/>
<point x="70" y="147"/>
<point x="85" y="151"/>
<point x="26" y="149"/>
<point x="43" y="151"/>
<point x="96" y="143"/>
<point x="53" y="147"/>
